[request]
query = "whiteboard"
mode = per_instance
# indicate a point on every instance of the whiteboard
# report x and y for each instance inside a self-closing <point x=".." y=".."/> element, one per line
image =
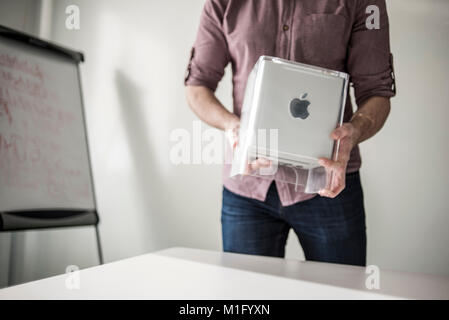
<point x="44" y="159"/>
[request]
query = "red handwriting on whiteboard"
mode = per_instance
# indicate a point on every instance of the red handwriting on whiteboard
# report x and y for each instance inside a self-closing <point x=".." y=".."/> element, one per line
<point x="4" y="108"/>
<point x="22" y="84"/>
<point x="33" y="118"/>
<point x="32" y="163"/>
<point x="12" y="62"/>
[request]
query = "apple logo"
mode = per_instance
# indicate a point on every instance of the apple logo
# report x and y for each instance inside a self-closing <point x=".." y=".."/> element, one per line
<point x="298" y="107"/>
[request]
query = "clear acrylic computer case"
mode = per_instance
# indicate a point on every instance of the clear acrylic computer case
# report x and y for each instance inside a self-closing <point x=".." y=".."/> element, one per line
<point x="255" y="140"/>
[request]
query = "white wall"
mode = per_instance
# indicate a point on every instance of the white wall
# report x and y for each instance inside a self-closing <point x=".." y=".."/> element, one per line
<point x="135" y="61"/>
<point x="405" y="170"/>
<point x="136" y="54"/>
<point x="20" y="15"/>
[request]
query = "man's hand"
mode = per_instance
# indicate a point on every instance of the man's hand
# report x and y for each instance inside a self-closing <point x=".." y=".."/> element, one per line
<point x="336" y="170"/>
<point x="365" y="123"/>
<point x="232" y="135"/>
<point x="232" y="128"/>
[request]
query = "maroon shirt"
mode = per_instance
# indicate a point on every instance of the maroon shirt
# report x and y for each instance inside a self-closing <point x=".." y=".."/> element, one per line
<point x="326" y="33"/>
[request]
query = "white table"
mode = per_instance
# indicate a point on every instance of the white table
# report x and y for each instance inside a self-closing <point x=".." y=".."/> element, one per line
<point x="181" y="273"/>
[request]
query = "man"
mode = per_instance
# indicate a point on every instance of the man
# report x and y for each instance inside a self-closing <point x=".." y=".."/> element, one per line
<point x="345" y="35"/>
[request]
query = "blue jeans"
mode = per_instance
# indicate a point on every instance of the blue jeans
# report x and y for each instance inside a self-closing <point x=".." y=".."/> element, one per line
<point x="329" y="230"/>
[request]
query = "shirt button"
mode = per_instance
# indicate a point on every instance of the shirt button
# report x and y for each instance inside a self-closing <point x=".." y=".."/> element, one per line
<point x="285" y="27"/>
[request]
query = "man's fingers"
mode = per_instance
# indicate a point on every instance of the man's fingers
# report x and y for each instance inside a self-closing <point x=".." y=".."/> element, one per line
<point x="345" y="149"/>
<point x="341" y="132"/>
<point x="327" y="193"/>
<point x="336" y="172"/>
<point x="338" y="187"/>
<point x="328" y="163"/>
<point x="331" y="193"/>
<point x="258" y="164"/>
<point x="337" y="169"/>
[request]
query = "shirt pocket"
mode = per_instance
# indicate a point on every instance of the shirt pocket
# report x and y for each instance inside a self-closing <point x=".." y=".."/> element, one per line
<point x="323" y="39"/>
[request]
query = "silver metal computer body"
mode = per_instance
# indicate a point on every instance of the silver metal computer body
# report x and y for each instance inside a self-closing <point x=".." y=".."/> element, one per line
<point x="304" y="103"/>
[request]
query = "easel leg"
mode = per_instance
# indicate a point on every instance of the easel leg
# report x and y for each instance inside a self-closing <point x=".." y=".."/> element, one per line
<point x="100" y="252"/>
<point x="12" y="252"/>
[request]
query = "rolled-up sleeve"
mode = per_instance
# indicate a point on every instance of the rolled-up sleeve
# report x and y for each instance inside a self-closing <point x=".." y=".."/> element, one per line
<point x="209" y="54"/>
<point x="370" y="62"/>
